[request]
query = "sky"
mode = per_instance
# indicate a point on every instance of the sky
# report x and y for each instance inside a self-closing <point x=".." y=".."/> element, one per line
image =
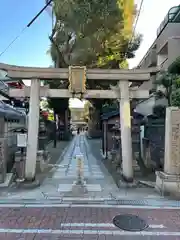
<point x="30" y="49"/>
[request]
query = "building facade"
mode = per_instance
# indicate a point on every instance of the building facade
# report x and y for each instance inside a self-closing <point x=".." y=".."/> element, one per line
<point x="163" y="52"/>
<point x="166" y="47"/>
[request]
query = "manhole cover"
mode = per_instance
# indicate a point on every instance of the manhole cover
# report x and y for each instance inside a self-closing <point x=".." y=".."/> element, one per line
<point x="130" y="222"/>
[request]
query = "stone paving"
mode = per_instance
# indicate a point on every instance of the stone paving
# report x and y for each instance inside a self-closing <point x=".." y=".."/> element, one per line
<point x="84" y="222"/>
<point x="98" y="183"/>
<point x="58" y="185"/>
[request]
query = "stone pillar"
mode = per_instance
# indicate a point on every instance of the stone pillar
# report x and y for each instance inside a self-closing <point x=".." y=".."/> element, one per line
<point x="169" y="180"/>
<point x="105" y="147"/>
<point x="94" y="123"/>
<point x="66" y="124"/>
<point x="125" y="125"/>
<point x="33" y="125"/>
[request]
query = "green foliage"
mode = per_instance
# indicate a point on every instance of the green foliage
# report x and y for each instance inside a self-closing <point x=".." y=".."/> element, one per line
<point x="174" y="68"/>
<point x="159" y="111"/>
<point x="44" y="105"/>
<point x="110" y="107"/>
<point x="57" y="104"/>
<point x="94" y="33"/>
<point x="171" y="88"/>
<point x="176" y="98"/>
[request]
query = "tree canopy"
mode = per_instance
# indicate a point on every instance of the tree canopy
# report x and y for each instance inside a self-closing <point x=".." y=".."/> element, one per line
<point x="174" y="68"/>
<point x="94" y="33"/>
<point x="170" y="83"/>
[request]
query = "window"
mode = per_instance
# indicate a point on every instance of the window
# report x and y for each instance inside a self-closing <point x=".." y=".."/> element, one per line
<point x="173" y="16"/>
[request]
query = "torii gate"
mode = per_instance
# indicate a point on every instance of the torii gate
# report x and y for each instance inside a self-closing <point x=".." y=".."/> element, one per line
<point x="124" y="94"/>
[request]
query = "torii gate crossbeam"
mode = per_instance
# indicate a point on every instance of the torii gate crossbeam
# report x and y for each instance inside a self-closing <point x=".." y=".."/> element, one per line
<point x="64" y="93"/>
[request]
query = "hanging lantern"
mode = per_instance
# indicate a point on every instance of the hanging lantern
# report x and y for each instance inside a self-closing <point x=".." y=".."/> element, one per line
<point x="77" y="80"/>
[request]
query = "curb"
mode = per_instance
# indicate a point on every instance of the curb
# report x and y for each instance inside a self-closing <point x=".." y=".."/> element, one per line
<point x="133" y="203"/>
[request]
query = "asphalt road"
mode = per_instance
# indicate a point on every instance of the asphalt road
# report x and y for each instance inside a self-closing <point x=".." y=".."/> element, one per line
<point x="84" y="222"/>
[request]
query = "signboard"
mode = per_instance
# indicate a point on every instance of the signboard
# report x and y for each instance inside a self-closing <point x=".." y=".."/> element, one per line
<point x="22" y="139"/>
<point x="77" y="79"/>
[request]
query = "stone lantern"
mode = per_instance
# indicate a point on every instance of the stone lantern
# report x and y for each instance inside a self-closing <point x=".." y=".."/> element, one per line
<point x="116" y="150"/>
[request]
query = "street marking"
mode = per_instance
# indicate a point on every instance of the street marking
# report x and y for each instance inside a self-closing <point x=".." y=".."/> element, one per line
<point x="89" y="232"/>
<point x="65" y="187"/>
<point x="156" y="226"/>
<point x="103" y="225"/>
<point x="39" y="204"/>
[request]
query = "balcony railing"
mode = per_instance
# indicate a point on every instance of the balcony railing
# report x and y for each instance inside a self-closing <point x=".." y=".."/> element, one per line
<point x="164" y="64"/>
<point x="173" y="16"/>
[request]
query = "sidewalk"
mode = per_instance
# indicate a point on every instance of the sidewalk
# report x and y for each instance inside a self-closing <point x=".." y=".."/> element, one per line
<point x="56" y="156"/>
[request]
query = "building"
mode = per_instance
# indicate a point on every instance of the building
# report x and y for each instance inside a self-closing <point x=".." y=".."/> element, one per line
<point x="163" y="52"/>
<point x="166" y="47"/>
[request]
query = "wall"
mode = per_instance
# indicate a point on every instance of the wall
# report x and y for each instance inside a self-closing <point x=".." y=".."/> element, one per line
<point x="171" y="30"/>
<point x="173" y="49"/>
<point x="155" y="133"/>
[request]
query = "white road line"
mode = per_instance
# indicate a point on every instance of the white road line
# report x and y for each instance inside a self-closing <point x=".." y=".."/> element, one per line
<point x="103" y="225"/>
<point x="156" y="226"/>
<point x="89" y="232"/>
<point x="59" y="205"/>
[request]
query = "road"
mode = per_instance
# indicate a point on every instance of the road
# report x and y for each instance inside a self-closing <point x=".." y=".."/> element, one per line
<point x="63" y="219"/>
<point x="93" y="222"/>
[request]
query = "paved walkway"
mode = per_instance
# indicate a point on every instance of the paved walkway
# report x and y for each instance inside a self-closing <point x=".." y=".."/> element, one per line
<point x="99" y="185"/>
<point x="58" y="184"/>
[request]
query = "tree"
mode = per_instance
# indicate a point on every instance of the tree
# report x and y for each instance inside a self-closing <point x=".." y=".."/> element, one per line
<point x="170" y="84"/>
<point x="94" y="33"/>
<point x="174" y="68"/>
<point x="44" y="104"/>
<point x="58" y="105"/>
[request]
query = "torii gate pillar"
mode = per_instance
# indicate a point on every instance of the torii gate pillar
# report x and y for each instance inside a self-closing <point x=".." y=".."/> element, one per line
<point x="33" y="127"/>
<point x="125" y="123"/>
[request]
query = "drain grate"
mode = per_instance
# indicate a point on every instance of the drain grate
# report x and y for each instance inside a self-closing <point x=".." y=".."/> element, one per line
<point x="129" y="222"/>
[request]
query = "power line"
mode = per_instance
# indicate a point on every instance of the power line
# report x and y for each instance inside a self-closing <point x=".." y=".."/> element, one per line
<point x="11" y="43"/>
<point x="27" y="26"/>
<point x="135" y="25"/>
<point x="137" y="18"/>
